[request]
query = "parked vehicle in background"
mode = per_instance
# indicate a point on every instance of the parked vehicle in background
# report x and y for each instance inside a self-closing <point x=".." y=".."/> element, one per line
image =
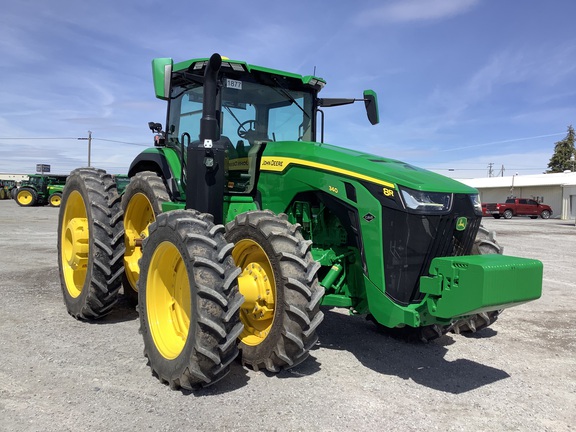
<point x="41" y="190"/>
<point x="6" y="187"/>
<point x="519" y="207"/>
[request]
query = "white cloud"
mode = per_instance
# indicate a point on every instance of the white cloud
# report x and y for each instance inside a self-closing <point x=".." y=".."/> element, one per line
<point x="416" y="10"/>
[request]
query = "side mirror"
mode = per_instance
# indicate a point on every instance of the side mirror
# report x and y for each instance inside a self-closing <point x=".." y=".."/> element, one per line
<point x="371" y="103"/>
<point x="162" y="74"/>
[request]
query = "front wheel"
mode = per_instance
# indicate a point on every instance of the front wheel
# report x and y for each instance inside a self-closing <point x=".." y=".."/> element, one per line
<point x="188" y="300"/>
<point x="545" y="214"/>
<point x="508" y="214"/>
<point x="279" y="281"/>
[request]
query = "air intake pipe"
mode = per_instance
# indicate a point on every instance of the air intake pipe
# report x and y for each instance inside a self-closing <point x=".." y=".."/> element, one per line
<point x="205" y="167"/>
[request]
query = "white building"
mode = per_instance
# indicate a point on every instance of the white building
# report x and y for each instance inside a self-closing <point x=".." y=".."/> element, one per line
<point x="11" y="176"/>
<point x="557" y="190"/>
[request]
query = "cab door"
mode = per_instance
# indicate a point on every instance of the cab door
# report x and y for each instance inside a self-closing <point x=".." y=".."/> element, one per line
<point x="532" y="207"/>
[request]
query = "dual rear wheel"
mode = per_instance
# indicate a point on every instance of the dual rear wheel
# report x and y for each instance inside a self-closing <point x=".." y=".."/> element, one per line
<point x="90" y="243"/>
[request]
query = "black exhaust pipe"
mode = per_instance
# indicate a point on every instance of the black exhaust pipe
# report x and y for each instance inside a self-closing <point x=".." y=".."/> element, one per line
<point x="209" y="124"/>
<point x="205" y="167"/>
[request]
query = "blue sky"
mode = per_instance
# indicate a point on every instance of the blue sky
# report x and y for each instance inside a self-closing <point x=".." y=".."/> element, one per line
<point x="461" y="83"/>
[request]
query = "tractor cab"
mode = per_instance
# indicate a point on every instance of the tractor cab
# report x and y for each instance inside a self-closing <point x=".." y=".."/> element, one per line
<point x="252" y="108"/>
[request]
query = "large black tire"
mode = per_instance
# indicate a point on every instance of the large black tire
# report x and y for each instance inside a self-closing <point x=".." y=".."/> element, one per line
<point x="26" y="197"/>
<point x="188" y="300"/>
<point x="90" y="243"/>
<point x="13" y="193"/>
<point x="142" y="203"/>
<point x="280" y="283"/>
<point x="485" y="243"/>
<point x="508" y="214"/>
<point x="545" y="214"/>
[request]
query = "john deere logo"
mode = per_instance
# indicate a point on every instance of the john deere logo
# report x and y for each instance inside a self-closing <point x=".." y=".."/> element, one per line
<point x="461" y="224"/>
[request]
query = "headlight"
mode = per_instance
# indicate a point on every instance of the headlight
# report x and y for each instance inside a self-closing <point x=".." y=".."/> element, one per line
<point x="476" y="203"/>
<point x="426" y="202"/>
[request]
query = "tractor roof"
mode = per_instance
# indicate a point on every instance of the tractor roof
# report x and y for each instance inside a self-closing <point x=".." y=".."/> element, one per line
<point x="161" y="66"/>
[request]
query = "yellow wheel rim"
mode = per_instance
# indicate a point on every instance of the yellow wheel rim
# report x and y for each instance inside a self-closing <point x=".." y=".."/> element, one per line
<point x="257" y="285"/>
<point x="75" y="244"/>
<point x="137" y="218"/>
<point x="24" y="197"/>
<point x="168" y="300"/>
<point x="55" y="200"/>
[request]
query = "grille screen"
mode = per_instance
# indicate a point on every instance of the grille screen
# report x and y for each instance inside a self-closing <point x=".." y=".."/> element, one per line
<point x="412" y="241"/>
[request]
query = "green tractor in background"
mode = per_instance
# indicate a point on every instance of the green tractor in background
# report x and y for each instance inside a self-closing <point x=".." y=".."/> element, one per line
<point x="240" y="223"/>
<point x="41" y="189"/>
<point x="6" y="187"/>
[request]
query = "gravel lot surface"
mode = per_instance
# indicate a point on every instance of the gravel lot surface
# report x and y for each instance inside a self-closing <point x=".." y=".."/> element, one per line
<point x="59" y="374"/>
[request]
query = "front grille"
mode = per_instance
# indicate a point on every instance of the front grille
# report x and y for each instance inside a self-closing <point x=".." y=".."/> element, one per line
<point x="412" y="241"/>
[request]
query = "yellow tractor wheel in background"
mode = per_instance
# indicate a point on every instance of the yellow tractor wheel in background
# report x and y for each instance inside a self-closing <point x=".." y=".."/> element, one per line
<point x="26" y="197"/>
<point x="55" y="199"/>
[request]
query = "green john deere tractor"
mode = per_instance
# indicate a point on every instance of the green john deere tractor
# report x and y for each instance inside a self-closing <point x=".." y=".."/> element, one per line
<point x="6" y="187"/>
<point x="240" y="223"/>
<point x="40" y="189"/>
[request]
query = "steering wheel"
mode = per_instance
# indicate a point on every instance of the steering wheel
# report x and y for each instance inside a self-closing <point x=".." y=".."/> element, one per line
<point x="242" y="132"/>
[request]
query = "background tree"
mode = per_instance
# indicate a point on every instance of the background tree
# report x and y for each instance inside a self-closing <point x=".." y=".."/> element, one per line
<point x="563" y="150"/>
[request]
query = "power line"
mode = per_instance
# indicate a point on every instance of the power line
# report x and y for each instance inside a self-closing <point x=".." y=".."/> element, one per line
<point x="40" y="138"/>
<point x="74" y="138"/>
<point x="481" y="169"/>
<point x="121" y="142"/>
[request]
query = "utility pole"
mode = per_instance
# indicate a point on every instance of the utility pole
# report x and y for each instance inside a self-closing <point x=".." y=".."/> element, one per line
<point x="490" y="172"/>
<point x="89" y="139"/>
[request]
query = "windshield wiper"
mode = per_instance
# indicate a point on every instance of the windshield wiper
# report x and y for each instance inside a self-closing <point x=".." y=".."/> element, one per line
<point x="284" y="92"/>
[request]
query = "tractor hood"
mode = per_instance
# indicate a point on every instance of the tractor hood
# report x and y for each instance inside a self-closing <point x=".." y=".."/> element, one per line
<point x="280" y="156"/>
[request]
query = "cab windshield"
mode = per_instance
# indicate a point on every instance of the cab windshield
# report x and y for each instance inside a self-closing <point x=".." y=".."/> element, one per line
<point x="251" y="113"/>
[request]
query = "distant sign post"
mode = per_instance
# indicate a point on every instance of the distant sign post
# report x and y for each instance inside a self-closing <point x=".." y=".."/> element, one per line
<point x="42" y="168"/>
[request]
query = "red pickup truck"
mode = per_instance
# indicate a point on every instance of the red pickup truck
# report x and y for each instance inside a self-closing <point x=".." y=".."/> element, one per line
<point x="518" y="207"/>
